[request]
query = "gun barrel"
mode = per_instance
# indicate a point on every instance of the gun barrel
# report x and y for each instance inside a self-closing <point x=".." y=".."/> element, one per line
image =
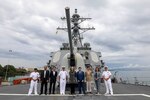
<point x="72" y="58"/>
<point x="69" y="28"/>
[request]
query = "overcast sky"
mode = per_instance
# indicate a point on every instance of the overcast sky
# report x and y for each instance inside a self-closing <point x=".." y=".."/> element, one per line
<point x="122" y="35"/>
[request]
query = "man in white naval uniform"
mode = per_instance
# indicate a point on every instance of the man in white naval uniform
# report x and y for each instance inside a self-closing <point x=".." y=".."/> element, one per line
<point x="63" y="76"/>
<point x="107" y="79"/>
<point x="34" y="81"/>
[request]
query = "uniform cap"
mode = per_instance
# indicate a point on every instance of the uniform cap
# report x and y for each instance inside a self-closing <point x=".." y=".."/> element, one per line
<point x="63" y="66"/>
<point x="35" y="69"/>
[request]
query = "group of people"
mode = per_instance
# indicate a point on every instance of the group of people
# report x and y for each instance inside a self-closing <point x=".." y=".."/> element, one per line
<point x="73" y="78"/>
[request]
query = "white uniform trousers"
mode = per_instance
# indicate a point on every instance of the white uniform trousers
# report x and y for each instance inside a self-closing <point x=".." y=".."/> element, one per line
<point x="33" y="84"/>
<point x="62" y="86"/>
<point x="108" y="87"/>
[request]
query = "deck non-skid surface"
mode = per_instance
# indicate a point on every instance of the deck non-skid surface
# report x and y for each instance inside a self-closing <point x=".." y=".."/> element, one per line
<point x="68" y="97"/>
<point x="121" y="92"/>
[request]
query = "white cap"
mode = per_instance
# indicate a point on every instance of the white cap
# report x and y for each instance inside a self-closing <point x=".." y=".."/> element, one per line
<point x="63" y="67"/>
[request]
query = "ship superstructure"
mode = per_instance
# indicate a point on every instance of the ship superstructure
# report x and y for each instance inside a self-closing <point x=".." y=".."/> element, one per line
<point x="75" y="53"/>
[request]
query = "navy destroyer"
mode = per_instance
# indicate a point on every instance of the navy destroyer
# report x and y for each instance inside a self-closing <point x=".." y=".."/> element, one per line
<point x="75" y="53"/>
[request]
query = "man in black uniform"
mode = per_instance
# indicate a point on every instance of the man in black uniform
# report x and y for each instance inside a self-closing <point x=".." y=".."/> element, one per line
<point x="53" y="77"/>
<point x="44" y="76"/>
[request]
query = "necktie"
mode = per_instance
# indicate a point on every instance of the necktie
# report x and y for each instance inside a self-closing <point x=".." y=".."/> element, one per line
<point x="44" y="74"/>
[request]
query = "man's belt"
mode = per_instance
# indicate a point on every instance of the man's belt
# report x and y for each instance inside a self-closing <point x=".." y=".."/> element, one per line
<point x="34" y="80"/>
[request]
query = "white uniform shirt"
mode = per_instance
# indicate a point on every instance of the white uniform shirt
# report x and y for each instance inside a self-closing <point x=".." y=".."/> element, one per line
<point x="44" y="73"/>
<point x="53" y="72"/>
<point x="106" y="74"/>
<point x="63" y="75"/>
<point x="34" y="75"/>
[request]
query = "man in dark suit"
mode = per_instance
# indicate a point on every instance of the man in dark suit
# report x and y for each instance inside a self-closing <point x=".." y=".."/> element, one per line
<point x="44" y="76"/>
<point x="80" y="79"/>
<point x="53" y="77"/>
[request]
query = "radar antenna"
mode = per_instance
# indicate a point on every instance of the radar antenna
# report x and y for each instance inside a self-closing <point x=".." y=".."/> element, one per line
<point x="76" y="20"/>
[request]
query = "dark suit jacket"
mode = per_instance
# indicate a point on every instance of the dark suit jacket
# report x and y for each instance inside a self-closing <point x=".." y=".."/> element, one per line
<point x="53" y="77"/>
<point x="42" y="75"/>
<point x="80" y="76"/>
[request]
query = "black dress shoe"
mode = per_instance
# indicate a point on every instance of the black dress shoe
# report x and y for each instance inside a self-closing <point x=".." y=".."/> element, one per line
<point x="45" y="93"/>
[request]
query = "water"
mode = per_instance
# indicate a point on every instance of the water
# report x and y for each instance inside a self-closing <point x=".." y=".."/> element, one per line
<point x="133" y="77"/>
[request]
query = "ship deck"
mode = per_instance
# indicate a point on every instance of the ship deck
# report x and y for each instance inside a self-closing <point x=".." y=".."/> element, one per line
<point x="121" y="92"/>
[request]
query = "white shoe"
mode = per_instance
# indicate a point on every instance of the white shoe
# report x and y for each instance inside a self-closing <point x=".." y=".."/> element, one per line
<point x="106" y="93"/>
<point x="111" y="93"/>
<point x="29" y="94"/>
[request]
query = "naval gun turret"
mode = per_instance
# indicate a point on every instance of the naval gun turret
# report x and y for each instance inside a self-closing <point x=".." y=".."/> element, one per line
<point x="75" y="53"/>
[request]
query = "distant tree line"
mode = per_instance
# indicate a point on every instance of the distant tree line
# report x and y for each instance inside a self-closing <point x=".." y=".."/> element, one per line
<point x="11" y="71"/>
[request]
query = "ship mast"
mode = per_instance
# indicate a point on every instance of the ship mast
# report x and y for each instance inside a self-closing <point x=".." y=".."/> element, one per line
<point x="76" y="29"/>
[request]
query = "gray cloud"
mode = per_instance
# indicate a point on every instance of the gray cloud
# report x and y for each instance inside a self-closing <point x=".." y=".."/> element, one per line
<point x="22" y="41"/>
<point x="22" y="55"/>
<point x="122" y="29"/>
